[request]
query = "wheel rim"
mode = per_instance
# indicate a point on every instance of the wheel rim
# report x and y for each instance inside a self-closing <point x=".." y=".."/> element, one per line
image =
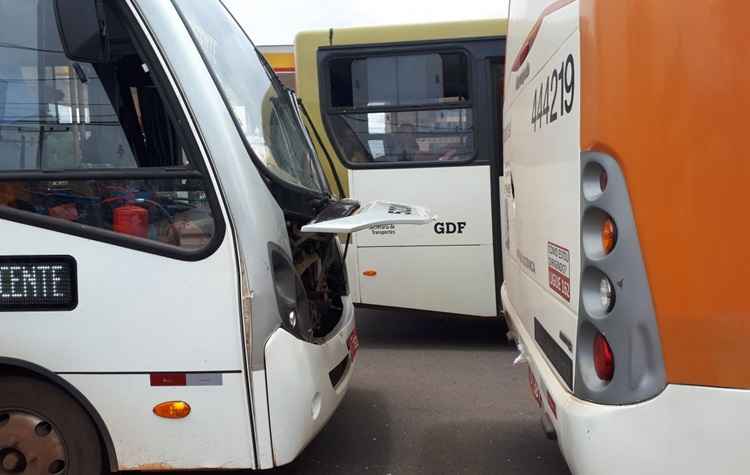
<point x="30" y="445"/>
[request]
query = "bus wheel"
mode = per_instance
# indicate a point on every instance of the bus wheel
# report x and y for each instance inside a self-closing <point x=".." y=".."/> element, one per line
<point x="45" y="431"/>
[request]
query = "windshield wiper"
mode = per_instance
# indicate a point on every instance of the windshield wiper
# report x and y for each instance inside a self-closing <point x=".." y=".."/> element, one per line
<point x="3" y="44"/>
<point x="318" y="139"/>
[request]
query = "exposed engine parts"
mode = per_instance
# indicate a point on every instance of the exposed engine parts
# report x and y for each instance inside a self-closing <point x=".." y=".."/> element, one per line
<point x="318" y="262"/>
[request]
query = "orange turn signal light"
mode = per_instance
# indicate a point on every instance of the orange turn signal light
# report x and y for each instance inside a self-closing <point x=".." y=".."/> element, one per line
<point x="369" y="273"/>
<point x="172" y="409"/>
<point x="609" y="235"/>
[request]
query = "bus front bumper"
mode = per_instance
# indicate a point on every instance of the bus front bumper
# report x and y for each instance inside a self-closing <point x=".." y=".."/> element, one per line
<point x="685" y="429"/>
<point x="306" y="382"/>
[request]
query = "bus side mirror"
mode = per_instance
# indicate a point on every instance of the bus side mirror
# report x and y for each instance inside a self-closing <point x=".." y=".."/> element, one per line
<point x="82" y="29"/>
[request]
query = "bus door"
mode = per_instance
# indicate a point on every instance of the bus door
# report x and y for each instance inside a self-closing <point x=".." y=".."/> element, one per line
<point x="416" y="123"/>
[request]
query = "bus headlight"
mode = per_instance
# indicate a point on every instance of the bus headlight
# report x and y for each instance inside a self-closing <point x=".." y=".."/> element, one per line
<point x="291" y="297"/>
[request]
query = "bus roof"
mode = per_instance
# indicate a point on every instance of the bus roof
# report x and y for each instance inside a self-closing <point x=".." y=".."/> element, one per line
<point x="404" y="33"/>
<point x="280" y="57"/>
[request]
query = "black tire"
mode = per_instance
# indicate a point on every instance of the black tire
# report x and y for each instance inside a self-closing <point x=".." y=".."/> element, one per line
<point x="26" y="400"/>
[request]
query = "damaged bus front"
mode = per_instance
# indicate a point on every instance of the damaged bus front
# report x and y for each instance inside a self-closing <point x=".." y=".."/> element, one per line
<point x="173" y="287"/>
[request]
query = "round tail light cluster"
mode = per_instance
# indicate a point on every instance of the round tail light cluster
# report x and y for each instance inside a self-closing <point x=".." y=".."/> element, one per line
<point x="618" y="354"/>
<point x="600" y="240"/>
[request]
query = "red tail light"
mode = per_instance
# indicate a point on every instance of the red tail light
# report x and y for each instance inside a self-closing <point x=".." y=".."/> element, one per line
<point x="604" y="359"/>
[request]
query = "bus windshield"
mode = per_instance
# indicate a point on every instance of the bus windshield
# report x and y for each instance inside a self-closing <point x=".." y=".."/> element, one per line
<point x="262" y="109"/>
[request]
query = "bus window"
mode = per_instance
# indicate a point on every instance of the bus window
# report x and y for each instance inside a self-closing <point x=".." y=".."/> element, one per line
<point x="405" y="108"/>
<point x="78" y="141"/>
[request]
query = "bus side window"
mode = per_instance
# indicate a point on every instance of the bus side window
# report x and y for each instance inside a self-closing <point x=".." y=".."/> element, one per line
<point x="79" y="141"/>
<point x="401" y="108"/>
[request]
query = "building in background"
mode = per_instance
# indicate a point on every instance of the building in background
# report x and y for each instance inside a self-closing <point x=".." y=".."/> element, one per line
<point x="281" y="58"/>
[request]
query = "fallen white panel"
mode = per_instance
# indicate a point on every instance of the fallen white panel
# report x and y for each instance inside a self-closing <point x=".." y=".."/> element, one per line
<point x="373" y="214"/>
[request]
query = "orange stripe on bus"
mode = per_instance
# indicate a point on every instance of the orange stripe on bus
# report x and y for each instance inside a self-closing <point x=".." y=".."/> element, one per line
<point x="528" y="43"/>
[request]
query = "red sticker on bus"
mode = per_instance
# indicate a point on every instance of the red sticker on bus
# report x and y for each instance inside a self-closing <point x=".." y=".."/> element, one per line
<point x="352" y="343"/>
<point x="558" y="268"/>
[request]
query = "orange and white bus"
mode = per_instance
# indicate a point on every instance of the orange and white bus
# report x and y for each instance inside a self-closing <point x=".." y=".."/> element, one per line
<point x="624" y="186"/>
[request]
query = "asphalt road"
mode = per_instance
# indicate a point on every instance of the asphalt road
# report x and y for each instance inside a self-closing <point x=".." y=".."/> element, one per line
<point x="432" y="395"/>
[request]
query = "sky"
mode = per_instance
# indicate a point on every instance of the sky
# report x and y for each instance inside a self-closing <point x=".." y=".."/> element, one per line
<point x="275" y="22"/>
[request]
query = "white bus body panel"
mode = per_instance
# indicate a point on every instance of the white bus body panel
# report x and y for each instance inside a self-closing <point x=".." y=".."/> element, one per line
<point x="147" y="442"/>
<point x="123" y="298"/>
<point x="456" y="280"/>
<point x="300" y="394"/>
<point x="543" y="166"/>
<point x="427" y="267"/>
<point x="706" y="427"/>
<point x="262" y="423"/>
<point x="555" y="30"/>
<point x="165" y="314"/>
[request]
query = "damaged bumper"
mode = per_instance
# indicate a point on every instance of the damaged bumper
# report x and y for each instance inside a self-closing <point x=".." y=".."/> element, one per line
<point x="306" y="382"/>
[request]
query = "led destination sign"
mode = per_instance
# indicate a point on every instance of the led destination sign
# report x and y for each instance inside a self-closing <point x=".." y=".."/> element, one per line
<point x="38" y="283"/>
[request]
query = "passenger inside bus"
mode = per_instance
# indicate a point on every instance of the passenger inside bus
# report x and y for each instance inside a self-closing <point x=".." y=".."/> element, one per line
<point x="403" y="108"/>
<point x="403" y="145"/>
<point x="440" y="135"/>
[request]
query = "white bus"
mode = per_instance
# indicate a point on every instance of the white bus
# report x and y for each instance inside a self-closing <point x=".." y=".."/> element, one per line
<point x="170" y="295"/>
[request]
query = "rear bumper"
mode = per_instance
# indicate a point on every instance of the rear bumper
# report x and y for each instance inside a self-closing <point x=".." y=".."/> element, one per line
<point x="306" y="383"/>
<point x="686" y="429"/>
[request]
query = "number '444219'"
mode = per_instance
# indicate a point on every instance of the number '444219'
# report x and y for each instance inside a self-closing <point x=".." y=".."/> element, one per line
<point x="554" y="97"/>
